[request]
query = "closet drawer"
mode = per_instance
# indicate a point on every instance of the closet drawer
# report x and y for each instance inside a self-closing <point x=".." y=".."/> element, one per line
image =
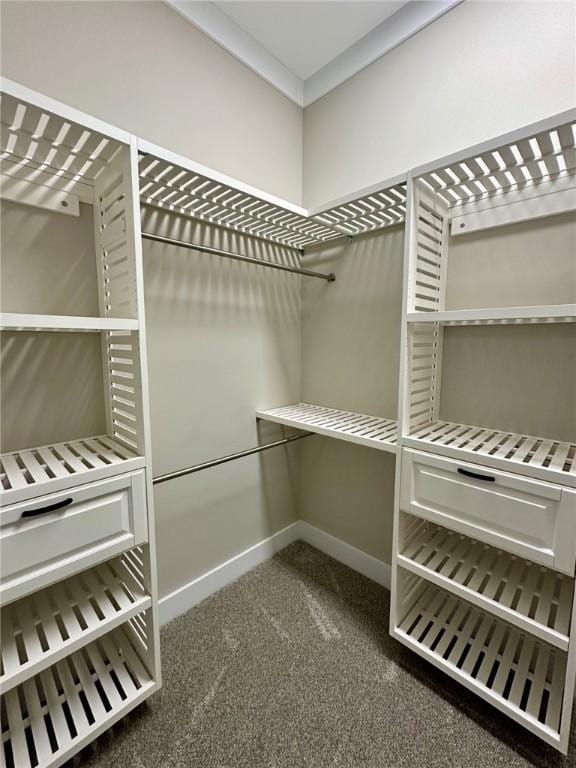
<point x="527" y="517"/>
<point x="54" y="536"/>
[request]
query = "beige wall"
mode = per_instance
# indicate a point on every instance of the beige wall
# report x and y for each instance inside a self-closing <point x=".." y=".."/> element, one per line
<point x="223" y="340"/>
<point x="514" y="377"/>
<point x="481" y="70"/>
<point x="51" y="385"/>
<point x="350" y="358"/>
<point x="140" y="66"/>
<point x="525" y="264"/>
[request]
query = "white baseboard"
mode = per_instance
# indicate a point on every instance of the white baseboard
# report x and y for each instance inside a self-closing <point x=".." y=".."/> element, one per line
<point x="186" y="597"/>
<point x="345" y="553"/>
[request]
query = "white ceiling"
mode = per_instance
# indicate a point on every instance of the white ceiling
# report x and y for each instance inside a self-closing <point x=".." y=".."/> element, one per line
<point x="305" y="36"/>
<point x="305" y="48"/>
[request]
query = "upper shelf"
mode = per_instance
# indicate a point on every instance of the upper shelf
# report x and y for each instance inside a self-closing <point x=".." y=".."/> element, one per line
<point x="10" y="321"/>
<point x="555" y="313"/>
<point x="521" y="162"/>
<point x="372" y="431"/>
<point x="32" y="472"/>
<point x="174" y="183"/>
<point x="43" y="146"/>
<point x="538" y="457"/>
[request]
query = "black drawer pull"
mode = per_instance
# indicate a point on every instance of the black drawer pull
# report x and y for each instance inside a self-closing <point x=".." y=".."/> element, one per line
<point x="49" y="508"/>
<point x="476" y="475"/>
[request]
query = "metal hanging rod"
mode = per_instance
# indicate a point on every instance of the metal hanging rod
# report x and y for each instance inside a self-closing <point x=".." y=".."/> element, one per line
<point x="226" y="459"/>
<point x="237" y="257"/>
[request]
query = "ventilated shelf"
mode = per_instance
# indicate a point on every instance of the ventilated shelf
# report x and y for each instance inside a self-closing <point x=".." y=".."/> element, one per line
<point x="521" y="164"/>
<point x="557" y="313"/>
<point x="41" y="629"/>
<point x="373" y="431"/>
<point x="33" y="472"/>
<point x="176" y="185"/>
<point x="22" y="322"/>
<point x="173" y="187"/>
<point x="43" y="148"/>
<point x="528" y="595"/>
<point x="379" y="209"/>
<point x="53" y="715"/>
<point x="538" y="457"/>
<point x="519" y="675"/>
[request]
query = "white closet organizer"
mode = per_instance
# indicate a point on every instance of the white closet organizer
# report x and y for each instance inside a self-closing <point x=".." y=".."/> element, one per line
<point x="78" y="573"/>
<point x="173" y="183"/>
<point x="485" y="517"/>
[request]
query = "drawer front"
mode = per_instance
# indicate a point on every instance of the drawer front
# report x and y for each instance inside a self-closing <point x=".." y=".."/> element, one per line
<point x="52" y="537"/>
<point x="528" y="517"/>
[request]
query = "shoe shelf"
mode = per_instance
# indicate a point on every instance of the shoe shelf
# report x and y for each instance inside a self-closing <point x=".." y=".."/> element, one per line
<point x="519" y="675"/>
<point x="33" y="472"/>
<point x="11" y="321"/>
<point x="534" y="598"/>
<point x="53" y="715"/>
<point x="372" y="431"/>
<point x="538" y="457"/>
<point x="44" y="627"/>
<point x="556" y="313"/>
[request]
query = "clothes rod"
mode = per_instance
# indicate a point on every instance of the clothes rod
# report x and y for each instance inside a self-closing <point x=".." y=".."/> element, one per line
<point x="225" y="459"/>
<point x="237" y="257"/>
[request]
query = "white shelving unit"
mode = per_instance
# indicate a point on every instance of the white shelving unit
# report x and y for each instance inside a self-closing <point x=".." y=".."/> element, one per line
<point x="372" y="431"/>
<point x="484" y="551"/>
<point x="50" y="468"/>
<point x="79" y="616"/>
<point x="520" y="676"/>
<point x="556" y="313"/>
<point x="538" y="457"/>
<point x="14" y="322"/>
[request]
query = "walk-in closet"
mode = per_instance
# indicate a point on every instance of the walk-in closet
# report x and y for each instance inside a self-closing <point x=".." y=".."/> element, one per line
<point x="288" y="384"/>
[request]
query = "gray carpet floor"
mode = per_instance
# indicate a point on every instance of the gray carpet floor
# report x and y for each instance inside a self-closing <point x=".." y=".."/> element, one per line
<point x="292" y="666"/>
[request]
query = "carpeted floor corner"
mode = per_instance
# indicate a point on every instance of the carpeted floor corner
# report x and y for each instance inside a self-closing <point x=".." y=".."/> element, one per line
<point x="292" y="666"/>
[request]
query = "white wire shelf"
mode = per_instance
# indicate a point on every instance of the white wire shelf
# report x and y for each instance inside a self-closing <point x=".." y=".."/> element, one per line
<point x="538" y="457"/>
<point x="39" y="630"/>
<point x="53" y="715"/>
<point x="372" y="431"/>
<point x="33" y="472"/>
<point x="10" y="321"/>
<point x="530" y="596"/>
<point x="520" y="676"/>
<point x="554" y="313"/>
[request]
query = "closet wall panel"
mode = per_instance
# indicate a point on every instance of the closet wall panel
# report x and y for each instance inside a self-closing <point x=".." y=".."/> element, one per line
<point x="534" y="261"/>
<point x="350" y="357"/>
<point x="223" y="340"/>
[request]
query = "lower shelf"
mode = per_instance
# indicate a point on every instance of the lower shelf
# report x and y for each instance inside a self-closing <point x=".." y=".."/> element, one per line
<point x="539" y="457"/>
<point x="372" y="431"/>
<point x="530" y="596"/>
<point x="517" y="674"/>
<point x="53" y="715"/>
<point x="42" y="628"/>
<point x="27" y="474"/>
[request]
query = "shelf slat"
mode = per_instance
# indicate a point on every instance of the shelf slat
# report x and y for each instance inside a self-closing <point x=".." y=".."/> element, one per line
<point x="10" y="321"/>
<point x="34" y="472"/>
<point x="534" y="598"/>
<point x="53" y="715"/>
<point x="520" y="676"/>
<point x="538" y="457"/>
<point x="41" y="629"/>
<point x="554" y="313"/>
<point x="372" y="431"/>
